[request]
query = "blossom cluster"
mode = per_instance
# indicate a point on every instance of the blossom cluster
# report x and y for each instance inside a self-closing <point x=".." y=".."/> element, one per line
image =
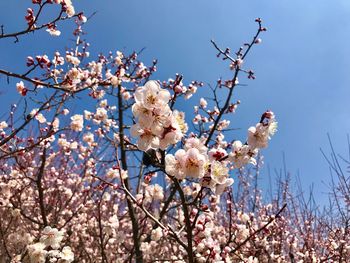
<point x="213" y="166"/>
<point x="157" y="125"/>
<point x="258" y="138"/>
<point x="47" y="249"/>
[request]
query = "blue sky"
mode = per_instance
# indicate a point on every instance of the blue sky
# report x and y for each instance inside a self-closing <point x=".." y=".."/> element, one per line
<point x="301" y="66"/>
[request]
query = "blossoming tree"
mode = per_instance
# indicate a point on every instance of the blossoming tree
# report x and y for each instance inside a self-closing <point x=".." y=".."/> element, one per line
<point x="132" y="180"/>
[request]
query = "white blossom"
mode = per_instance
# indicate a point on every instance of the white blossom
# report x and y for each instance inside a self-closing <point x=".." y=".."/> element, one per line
<point x="51" y="237"/>
<point x="152" y="96"/>
<point x="242" y="154"/>
<point x="156" y="234"/>
<point x="203" y="103"/>
<point x="3" y="125"/>
<point x="37" y="253"/>
<point x="77" y="123"/>
<point x="66" y="255"/>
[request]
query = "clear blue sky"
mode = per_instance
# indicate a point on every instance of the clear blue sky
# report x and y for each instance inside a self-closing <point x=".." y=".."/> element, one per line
<point x="301" y="66"/>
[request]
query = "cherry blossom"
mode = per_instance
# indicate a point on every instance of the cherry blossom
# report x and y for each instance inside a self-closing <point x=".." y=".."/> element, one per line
<point x="51" y="237"/>
<point x="77" y="123"/>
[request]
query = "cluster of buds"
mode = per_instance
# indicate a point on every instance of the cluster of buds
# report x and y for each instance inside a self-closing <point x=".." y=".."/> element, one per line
<point x="43" y="61"/>
<point x="30" y="18"/>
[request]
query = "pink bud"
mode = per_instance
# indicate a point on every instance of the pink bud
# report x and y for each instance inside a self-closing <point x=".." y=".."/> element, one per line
<point x="30" y="61"/>
<point x="178" y="89"/>
<point x="258" y="41"/>
<point x="24" y="92"/>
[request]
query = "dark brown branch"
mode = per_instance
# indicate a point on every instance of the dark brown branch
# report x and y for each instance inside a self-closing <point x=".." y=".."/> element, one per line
<point x="41" y="189"/>
<point x="191" y="256"/>
<point x="133" y="218"/>
<point x="234" y="80"/>
<point x="33" y="29"/>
